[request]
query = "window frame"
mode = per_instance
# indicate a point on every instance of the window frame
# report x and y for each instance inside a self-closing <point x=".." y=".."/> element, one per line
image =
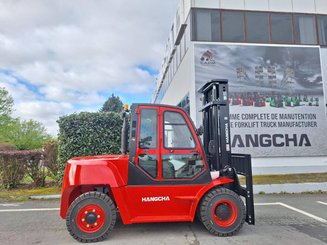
<point x="316" y="16"/>
<point x="221" y="26"/>
<point x="292" y="26"/>
<point x="182" y="178"/>
<point x="193" y="29"/>
<point x="317" y="27"/>
<point x="163" y="133"/>
<point x="147" y="172"/>
<point x="294" y="15"/>
<point x="148" y="151"/>
<point x="157" y="127"/>
<point x="246" y="29"/>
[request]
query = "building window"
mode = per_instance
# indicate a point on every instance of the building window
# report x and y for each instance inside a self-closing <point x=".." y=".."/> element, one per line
<point x="257" y="27"/>
<point x="185" y="104"/>
<point x="188" y="33"/>
<point x="206" y="25"/>
<point x="172" y="34"/>
<point x="233" y="26"/>
<point x="178" y="54"/>
<point x="322" y="24"/>
<point x="182" y="46"/>
<point x="305" y="29"/>
<point x="281" y="28"/>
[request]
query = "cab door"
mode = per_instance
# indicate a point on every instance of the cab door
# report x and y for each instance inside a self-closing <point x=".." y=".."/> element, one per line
<point x="148" y="149"/>
<point x="181" y="152"/>
<point x="169" y="166"/>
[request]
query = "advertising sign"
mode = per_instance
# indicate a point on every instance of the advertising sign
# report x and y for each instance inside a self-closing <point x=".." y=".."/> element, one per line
<point x="277" y="106"/>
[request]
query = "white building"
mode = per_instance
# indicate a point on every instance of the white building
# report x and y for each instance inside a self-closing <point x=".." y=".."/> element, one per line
<point x="274" y="54"/>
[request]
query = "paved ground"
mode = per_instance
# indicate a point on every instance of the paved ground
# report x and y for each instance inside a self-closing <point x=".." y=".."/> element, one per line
<point x="280" y="219"/>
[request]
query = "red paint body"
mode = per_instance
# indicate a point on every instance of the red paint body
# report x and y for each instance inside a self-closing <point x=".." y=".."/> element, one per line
<point x="83" y="173"/>
<point x="176" y="202"/>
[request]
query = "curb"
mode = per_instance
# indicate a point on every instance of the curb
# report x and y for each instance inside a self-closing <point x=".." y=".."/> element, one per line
<point x="290" y="188"/>
<point x="45" y="197"/>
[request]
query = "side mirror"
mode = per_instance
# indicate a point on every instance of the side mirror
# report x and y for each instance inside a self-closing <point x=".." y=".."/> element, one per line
<point x="199" y="131"/>
<point x="191" y="162"/>
<point x="145" y="142"/>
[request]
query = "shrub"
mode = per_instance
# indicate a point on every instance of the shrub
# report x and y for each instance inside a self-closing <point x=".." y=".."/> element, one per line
<point x="86" y="134"/>
<point x="35" y="167"/>
<point x="15" y="164"/>
<point x="26" y="135"/>
<point x="7" y="147"/>
<point x="51" y="158"/>
<point x="12" y="168"/>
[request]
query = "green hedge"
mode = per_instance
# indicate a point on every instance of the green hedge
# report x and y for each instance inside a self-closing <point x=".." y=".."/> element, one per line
<point x="86" y="134"/>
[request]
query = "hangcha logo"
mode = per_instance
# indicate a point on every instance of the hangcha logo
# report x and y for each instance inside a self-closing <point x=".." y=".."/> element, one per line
<point x="156" y="199"/>
<point x="207" y="58"/>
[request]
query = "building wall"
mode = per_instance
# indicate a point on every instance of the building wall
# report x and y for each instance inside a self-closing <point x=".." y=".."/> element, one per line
<point x="323" y="59"/>
<point x="300" y="6"/>
<point x="183" y="81"/>
<point x="308" y="6"/>
<point x="269" y="160"/>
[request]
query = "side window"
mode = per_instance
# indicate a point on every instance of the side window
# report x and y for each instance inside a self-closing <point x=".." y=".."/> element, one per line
<point x="176" y="132"/>
<point x="181" y="166"/>
<point x="148" y="141"/>
<point x="149" y="164"/>
<point x="148" y="129"/>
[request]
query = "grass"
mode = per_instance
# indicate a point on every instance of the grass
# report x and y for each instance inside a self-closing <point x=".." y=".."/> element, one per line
<point x="26" y="190"/>
<point x="287" y="178"/>
<point x="28" y="180"/>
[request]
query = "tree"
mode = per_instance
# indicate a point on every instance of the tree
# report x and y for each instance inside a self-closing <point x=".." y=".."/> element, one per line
<point x="24" y="135"/>
<point x="113" y="104"/>
<point x="27" y="134"/>
<point x="6" y="103"/>
<point x="7" y="124"/>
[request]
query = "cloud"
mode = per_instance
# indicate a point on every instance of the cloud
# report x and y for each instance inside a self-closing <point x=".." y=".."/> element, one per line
<point x="74" y="52"/>
<point x="43" y="111"/>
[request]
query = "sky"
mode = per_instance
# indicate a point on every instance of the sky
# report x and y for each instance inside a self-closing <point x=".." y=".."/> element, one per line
<point x="62" y="57"/>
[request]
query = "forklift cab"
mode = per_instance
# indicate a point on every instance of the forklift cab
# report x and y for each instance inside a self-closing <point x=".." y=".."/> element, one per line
<point x="164" y="147"/>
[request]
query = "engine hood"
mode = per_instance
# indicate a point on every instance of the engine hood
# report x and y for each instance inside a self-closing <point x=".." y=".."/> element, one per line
<point x="97" y="159"/>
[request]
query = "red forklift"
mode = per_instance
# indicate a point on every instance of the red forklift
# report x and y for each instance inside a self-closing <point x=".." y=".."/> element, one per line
<point x="164" y="174"/>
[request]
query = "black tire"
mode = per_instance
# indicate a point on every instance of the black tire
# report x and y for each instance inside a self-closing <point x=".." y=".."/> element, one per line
<point x="87" y="229"/>
<point x="222" y="212"/>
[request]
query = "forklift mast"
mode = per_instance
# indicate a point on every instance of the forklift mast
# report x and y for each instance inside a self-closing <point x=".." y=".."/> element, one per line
<point x="217" y="142"/>
<point x="216" y="129"/>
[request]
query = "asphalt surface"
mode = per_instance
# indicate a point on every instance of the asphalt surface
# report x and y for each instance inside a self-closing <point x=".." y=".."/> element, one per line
<point x="280" y="219"/>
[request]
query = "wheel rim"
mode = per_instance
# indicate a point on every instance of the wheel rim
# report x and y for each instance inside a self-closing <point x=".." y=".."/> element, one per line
<point x="224" y="213"/>
<point x="90" y="218"/>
